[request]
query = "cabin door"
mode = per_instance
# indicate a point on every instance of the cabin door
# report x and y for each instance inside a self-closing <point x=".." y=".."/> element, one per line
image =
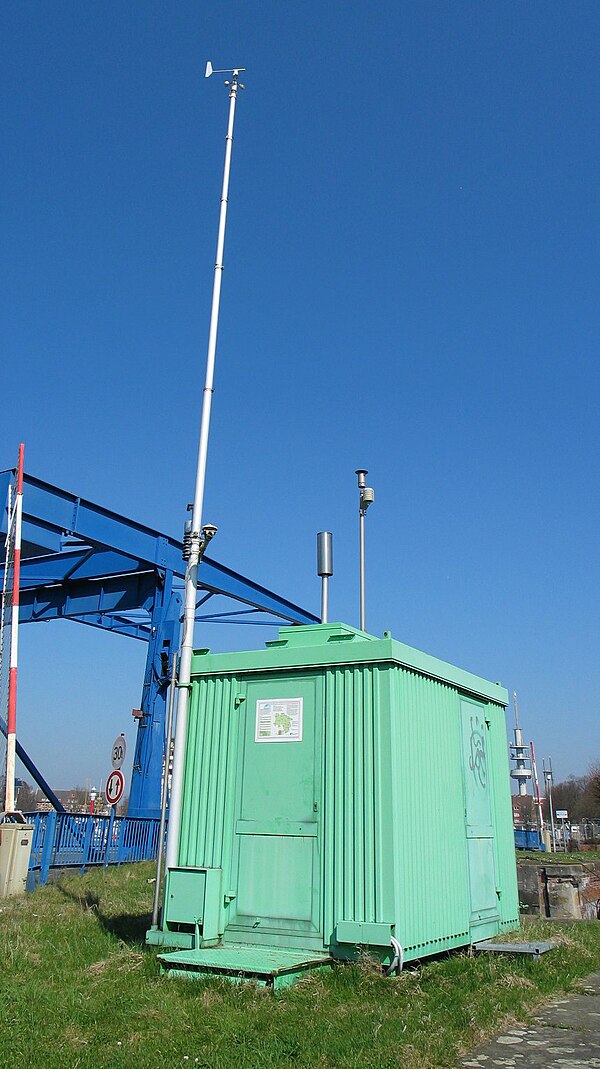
<point x="481" y="855"/>
<point x="276" y="856"/>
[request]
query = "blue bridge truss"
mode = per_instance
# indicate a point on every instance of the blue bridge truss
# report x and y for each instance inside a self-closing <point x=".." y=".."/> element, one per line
<point x="83" y="562"/>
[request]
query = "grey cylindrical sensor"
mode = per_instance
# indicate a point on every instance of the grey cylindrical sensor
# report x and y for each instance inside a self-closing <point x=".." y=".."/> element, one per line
<point x="324" y="553"/>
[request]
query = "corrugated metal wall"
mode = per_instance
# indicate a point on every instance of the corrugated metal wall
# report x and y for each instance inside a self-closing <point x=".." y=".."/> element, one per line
<point x="355" y="870"/>
<point x="208" y="812"/>
<point x="392" y="838"/>
<point x="431" y="880"/>
<point x="393" y="841"/>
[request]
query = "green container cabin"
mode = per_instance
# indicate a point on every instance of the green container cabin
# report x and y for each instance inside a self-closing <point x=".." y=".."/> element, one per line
<point x="339" y="790"/>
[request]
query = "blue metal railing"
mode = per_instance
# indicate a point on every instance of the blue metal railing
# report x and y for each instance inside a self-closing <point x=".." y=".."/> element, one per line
<point x="78" y="840"/>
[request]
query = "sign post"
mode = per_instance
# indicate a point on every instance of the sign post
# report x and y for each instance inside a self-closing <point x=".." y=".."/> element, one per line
<point x="562" y="815"/>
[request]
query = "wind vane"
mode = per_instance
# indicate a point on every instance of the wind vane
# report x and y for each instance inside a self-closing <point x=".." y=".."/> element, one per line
<point x="234" y="71"/>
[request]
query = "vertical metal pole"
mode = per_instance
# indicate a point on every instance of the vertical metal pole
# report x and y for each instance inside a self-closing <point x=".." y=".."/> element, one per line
<point x="361" y="528"/>
<point x="366" y="498"/>
<point x="538" y="797"/>
<point x="165" y="794"/>
<point x="191" y="576"/>
<point x="48" y="846"/>
<point x="361" y="473"/>
<point x="109" y="833"/>
<point x="548" y="776"/>
<point x="11" y="735"/>
<point x="324" y="599"/>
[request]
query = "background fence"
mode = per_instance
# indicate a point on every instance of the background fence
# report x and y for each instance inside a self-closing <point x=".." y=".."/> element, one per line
<point x="76" y="840"/>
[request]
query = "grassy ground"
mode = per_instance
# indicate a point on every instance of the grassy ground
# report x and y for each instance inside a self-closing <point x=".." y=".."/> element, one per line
<point x="79" y="990"/>
<point x="578" y="858"/>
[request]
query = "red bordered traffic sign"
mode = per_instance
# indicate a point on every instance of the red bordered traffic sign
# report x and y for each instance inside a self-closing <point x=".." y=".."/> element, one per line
<point x="115" y="785"/>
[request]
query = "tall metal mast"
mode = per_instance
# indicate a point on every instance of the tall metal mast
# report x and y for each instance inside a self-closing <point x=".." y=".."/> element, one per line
<point x="199" y="537"/>
<point x="519" y="754"/>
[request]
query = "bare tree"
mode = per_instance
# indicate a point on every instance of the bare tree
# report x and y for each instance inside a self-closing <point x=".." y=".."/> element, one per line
<point x="595" y="782"/>
<point x="579" y="795"/>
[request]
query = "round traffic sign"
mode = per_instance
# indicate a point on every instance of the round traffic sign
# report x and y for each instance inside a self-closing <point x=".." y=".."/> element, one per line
<point x="119" y="750"/>
<point x="115" y="785"/>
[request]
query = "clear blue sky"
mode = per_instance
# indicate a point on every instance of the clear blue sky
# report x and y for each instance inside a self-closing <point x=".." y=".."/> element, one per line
<point x="411" y="286"/>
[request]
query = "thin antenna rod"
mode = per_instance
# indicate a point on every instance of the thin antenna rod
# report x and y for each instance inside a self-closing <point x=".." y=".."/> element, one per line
<point x="196" y="548"/>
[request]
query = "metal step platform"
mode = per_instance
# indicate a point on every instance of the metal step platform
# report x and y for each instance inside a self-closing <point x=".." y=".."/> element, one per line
<point x="275" y="967"/>
<point x="535" y="950"/>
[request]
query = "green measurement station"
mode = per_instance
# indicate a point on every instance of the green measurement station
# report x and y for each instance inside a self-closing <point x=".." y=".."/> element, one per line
<point x="340" y="791"/>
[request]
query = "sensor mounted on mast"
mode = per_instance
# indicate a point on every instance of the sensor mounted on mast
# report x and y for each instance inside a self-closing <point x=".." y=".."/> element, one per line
<point x="234" y="71"/>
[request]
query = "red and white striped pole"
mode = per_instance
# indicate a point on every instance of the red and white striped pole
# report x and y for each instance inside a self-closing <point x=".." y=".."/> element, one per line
<point x="11" y="736"/>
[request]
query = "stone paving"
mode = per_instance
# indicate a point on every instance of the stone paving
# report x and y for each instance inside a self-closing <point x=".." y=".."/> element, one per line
<point x="565" y="1034"/>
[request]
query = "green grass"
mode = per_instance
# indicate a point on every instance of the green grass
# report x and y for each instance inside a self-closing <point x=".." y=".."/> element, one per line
<point x="78" y="990"/>
<point x="580" y="857"/>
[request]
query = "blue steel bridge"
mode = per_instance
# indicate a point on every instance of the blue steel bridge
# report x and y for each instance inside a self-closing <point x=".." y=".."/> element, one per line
<point x="83" y="562"/>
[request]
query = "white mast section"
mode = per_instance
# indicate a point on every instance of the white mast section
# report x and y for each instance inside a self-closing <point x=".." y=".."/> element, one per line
<point x="10" y="610"/>
<point x="199" y="536"/>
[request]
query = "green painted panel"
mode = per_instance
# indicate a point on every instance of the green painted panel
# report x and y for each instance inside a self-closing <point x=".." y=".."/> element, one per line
<point x="275" y="871"/>
<point x="193" y="896"/>
<point x="482" y="882"/>
<point x="278" y="778"/>
<point x="475" y="728"/>
<point x="185" y="895"/>
<point x="272" y="966"/>
<point x="357" y="865"/>
<point x="275" y="881"/>
<point x="431" y="899"/>
<point x="475" y="721"/>
<point x="363" y="933"/>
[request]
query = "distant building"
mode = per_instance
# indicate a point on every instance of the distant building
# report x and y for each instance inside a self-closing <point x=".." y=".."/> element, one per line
<point x="523" y="809"/>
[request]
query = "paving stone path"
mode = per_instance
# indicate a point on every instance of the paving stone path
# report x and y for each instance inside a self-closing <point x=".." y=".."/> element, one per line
<point x="565" y="1035"/>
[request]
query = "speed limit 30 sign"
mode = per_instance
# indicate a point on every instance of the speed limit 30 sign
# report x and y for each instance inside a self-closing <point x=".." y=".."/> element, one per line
<point x="115" y="785"/>
<point x="118" y="752"/>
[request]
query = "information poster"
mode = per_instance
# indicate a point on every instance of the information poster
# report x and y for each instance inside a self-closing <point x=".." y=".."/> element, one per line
<point x="279" y="720"/>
